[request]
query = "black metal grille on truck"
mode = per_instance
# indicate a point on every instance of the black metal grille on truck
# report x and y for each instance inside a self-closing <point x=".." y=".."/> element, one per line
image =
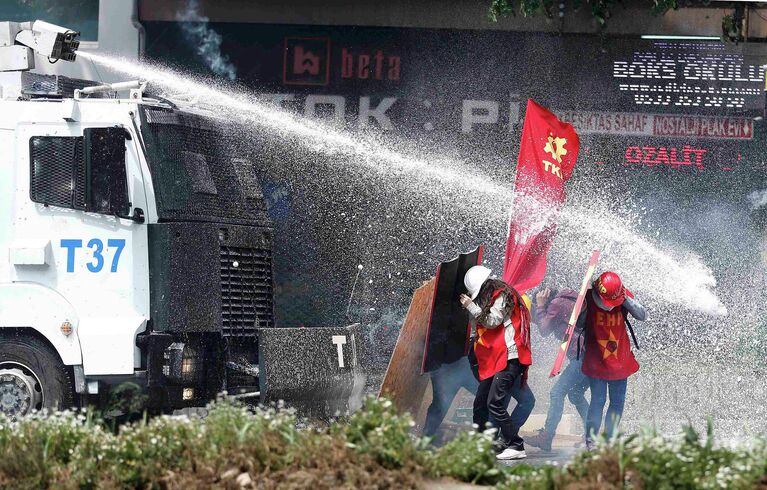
<point x="202" y="169"/>
<point x="57" y="171"/>
<point x="51" y="86"/>
<point x="246" y="290"/>
<point x="211" y="251"/>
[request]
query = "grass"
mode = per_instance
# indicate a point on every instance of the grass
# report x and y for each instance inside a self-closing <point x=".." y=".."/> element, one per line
<point x="235" y="447"/>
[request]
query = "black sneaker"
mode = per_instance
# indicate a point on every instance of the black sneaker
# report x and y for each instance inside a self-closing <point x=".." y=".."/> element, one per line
<point x="541" y="440"/>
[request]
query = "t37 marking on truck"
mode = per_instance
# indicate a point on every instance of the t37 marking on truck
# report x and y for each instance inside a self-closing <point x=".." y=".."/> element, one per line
<point x="135" y="246"/>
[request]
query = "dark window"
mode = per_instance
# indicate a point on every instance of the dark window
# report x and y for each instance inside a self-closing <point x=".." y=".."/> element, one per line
<point x="57" y="171"/>
<point x="197" y="167"/>
<point x="201" y="168"/>
<point x="107" y="191"/>
<point x="246" y="172"/>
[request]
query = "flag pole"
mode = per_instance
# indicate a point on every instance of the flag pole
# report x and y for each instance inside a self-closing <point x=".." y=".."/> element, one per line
<point x="513" y="191"/>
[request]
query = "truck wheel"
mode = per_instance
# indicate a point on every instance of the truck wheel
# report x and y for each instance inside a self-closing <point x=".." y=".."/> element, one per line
<point x="32" y="377"/>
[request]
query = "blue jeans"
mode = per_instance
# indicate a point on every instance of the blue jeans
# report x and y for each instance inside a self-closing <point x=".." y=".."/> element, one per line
<point x="572" y="383"/>
<point x="445" y="384"/>
<point x="599" y="390"/>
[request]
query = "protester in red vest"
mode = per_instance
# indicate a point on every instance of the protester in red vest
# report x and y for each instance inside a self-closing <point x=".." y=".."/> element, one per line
<point x="608" y="360"/>
<point x="502" y="348"/>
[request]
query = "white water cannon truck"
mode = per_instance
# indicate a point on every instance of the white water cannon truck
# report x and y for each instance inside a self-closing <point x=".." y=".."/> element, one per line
<point x="135" y="247"/>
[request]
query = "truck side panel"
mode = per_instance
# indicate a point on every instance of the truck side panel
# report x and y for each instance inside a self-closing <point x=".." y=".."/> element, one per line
<point x="98" y="262"/>
<point x="30" y="305"/>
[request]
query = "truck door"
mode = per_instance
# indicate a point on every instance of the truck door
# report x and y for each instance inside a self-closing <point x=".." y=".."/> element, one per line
<point x="84" y="203"/>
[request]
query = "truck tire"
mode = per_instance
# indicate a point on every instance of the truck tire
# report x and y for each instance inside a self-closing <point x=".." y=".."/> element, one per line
<point x="32" y="376"/>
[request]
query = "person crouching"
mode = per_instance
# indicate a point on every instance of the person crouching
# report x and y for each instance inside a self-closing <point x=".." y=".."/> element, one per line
<point x="501" y="324"/>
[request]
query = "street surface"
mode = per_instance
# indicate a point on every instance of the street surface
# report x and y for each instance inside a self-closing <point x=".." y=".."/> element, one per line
<point x="562" y="452"/>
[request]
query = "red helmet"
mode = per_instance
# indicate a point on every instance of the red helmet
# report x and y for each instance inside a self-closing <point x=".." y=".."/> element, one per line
<point x="610" y="289"/>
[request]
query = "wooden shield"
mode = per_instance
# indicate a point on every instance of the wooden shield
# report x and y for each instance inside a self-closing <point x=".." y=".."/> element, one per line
<point x="403" y="383"/>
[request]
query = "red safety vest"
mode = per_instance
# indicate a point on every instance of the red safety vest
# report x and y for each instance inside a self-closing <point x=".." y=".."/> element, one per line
<point x="608" y="348"/>
<point x="490" y="343"/>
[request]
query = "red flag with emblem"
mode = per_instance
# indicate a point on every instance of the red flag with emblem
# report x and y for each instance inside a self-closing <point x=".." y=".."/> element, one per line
<point x="547" y="155"/>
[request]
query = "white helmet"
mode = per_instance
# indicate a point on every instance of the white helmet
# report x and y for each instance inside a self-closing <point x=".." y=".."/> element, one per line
<point x="475" y="278"/>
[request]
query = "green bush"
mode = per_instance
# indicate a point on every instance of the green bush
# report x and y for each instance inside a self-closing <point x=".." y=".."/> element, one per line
<point x="34" y="448"/>
<point x="374" y="448"/>
<point x="648" y="460"/>
<point x="378" y="430"/>
<point x="469" y="457"/>
<point x="138" y="456"/>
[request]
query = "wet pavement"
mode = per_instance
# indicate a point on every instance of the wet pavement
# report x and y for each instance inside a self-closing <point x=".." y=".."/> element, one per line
<point x="560" y="456"/>
<point x="564" y="448"/>
<point x="562" y="452"/>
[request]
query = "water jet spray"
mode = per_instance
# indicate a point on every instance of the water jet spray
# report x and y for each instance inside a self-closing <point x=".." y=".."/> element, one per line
<point x="582" y="223"/>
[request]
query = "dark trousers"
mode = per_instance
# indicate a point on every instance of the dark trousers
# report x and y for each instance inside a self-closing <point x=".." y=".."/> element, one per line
<point x="572" y="383"/>
<point x="492" y="401"/>
<point x="445" y="384"/>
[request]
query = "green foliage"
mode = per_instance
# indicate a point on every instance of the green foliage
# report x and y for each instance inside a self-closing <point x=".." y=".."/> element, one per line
<point x="34" y="448"/>
<point x="378" y="430"/>
<point x="143" y="452"/>
<point x="500" y="8"/>
<point x="600" y="9"/>
<point x="693" y="462"/>
<point x="469" y="457"/>
<point x="127" y="398"/>
<point x="660" y="7"/>
<point x="374" y="448"/>
<point x="649" y="460"/>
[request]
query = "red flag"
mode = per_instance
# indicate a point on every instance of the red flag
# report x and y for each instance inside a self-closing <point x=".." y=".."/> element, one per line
<point x="547" y="155"/>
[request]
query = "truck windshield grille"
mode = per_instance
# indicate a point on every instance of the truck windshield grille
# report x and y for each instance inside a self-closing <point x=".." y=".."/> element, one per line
<point x="200" y="171"/>
<point x="246" y="290"/>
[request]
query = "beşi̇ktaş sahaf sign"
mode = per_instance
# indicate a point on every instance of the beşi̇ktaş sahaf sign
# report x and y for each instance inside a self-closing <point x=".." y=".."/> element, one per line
<point x="667" y="125"/>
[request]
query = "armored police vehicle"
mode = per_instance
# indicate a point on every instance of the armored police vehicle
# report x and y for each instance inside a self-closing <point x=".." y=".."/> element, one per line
<point x="135" y="246"/>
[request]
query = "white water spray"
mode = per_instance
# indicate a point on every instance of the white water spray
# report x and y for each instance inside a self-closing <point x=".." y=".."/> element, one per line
<point x="676" y="279"/>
